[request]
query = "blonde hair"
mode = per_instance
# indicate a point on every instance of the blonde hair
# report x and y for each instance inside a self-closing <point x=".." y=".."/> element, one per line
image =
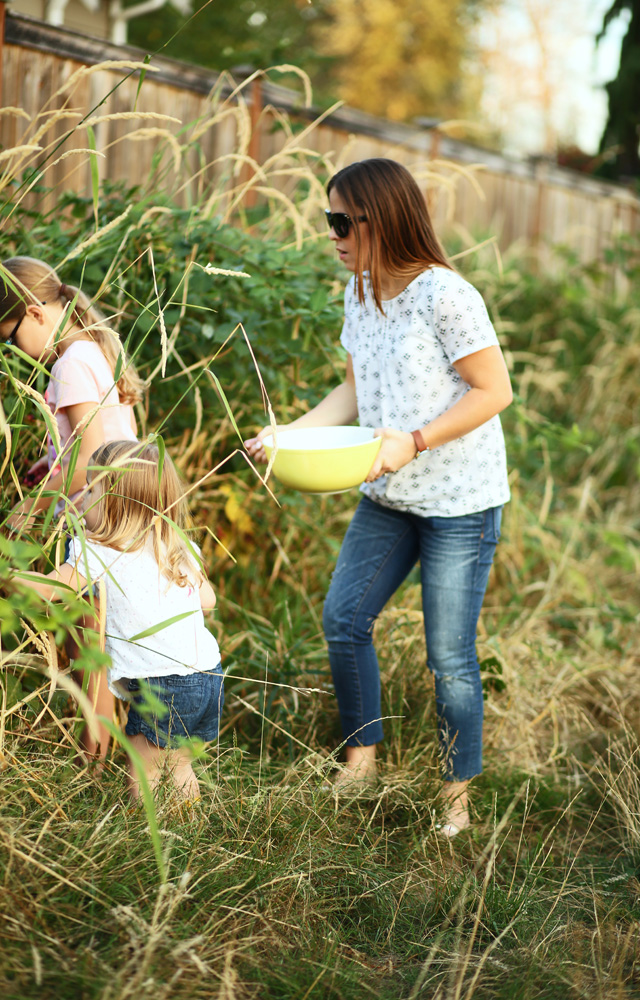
<point x="37" y="282"/>
<point x="143" y="496"/>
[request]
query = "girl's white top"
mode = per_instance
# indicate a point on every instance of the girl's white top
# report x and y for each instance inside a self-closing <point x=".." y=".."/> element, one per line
<point x="138" y="600"/>
<point x="83" y="375"/>
<point x="404" y="375"/>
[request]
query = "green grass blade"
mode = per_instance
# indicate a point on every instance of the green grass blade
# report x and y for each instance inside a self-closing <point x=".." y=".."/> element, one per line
<point x="71" y="467"/>
<point x="225" y="403"/>
<point x="161" y="453"/>
<point x="95" y="174"/>
<point x="143" y="73"/>
<point x="30" y="361"/>
<point x="117" y="372"/>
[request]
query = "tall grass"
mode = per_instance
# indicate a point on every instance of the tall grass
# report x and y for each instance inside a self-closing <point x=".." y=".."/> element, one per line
<point x="269" y="887"/>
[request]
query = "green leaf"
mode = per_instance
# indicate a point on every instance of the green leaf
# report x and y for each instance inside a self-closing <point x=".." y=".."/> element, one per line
<point x="318" y="300"/>
<point x="162" y="625"/>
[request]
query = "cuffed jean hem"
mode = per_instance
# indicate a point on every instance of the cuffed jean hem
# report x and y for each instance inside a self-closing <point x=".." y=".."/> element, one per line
<point x="380" y="548"/>
<point x="357" y="701"/>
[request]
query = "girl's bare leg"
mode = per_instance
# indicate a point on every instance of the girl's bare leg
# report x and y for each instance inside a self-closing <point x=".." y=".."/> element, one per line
<point x="104" y="704"/>
<point x="99" y="695"/>
<point x="155" y="761"/>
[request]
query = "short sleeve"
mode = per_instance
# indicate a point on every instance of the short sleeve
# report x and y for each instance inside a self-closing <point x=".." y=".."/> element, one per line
<point x="346" y="337"/>
<point x="460" y="317"/>
<point x="85" y="558"/>
<point x="74" y="381"/>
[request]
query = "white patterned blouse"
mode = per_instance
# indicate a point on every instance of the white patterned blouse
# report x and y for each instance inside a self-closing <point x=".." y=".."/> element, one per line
<point x="404" y="375"/>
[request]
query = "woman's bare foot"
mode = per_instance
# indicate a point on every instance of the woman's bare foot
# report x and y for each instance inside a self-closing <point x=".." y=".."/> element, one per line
<point x="359" y="771"/>
<point x="455" y="811"/>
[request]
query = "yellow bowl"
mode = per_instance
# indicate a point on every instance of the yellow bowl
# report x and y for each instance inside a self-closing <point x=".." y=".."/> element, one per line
<point x="323" y="459"/>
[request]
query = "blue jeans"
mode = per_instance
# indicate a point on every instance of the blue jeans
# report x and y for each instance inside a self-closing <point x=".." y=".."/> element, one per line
<point x="380" y="548"/>
<point x="180" y="706"/>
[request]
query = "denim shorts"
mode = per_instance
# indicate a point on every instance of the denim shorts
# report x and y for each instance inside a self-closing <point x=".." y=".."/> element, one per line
<point x="190" y="705"/>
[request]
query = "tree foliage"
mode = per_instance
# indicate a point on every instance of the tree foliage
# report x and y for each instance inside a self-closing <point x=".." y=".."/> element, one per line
<point x="622" y="129"/>
<point x="399" y="58"/>
<point x="394" y="58"/>
<point x="260" y="33"/>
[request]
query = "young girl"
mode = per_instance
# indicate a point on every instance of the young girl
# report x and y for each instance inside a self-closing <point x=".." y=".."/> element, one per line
<point x="163" y="658"/>
<point x="425" y="369"/>
<point x="57" y="325"/>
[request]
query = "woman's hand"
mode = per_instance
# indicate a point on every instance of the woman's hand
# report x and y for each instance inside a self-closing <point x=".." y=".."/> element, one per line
<point x="397" y="449"/>
<point x="255" y="446"/>
<point x="485" y="372"/>
<point x="340" y="406"/>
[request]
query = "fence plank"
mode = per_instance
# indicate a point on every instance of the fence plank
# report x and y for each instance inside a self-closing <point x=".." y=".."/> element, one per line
<point x="520" y="203"/>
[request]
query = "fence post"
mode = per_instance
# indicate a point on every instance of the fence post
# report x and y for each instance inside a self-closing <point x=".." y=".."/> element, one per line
<point x="3" y="9"/>
<point x="540" y="166"/>
<point x="254" y="142"/>
<point x="255" y="110"/>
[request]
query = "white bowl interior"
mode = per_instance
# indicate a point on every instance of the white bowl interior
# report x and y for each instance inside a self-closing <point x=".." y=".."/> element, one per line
<point x="320" y="438"/>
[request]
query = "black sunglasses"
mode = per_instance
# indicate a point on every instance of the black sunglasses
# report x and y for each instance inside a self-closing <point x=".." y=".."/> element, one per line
<point x="340" y="222"/>
<point x="11" y="337"/>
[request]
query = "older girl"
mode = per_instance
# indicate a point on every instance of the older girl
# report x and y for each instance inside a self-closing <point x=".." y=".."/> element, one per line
<point x="57" y="325"/>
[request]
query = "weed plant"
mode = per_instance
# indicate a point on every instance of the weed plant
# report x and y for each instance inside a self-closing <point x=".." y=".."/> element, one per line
<point x="269" y="886"/>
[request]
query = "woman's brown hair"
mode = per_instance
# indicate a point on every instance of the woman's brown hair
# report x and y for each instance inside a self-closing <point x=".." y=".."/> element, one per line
<point x="401" y="236"/>
<point x="142" y="497"/>
<point x="37" y="282"/>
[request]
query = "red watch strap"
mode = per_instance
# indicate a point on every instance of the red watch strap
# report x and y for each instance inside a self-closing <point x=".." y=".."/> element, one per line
<point x="419" y="440"/>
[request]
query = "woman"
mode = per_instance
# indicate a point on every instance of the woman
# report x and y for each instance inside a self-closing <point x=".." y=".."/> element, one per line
<point x="425" y="369"/>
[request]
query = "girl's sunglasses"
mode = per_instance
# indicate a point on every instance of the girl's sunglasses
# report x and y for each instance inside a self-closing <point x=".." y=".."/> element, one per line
<point x="10" y="339"/>
<point x="12" y="336"/>
<point x="341" y="223"/>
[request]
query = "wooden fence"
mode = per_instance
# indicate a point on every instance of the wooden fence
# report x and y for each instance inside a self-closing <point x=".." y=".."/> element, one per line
<point x="471" y="190"/>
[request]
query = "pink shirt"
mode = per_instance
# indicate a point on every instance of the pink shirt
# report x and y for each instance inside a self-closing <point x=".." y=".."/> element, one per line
<point x="83" y="375"/>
